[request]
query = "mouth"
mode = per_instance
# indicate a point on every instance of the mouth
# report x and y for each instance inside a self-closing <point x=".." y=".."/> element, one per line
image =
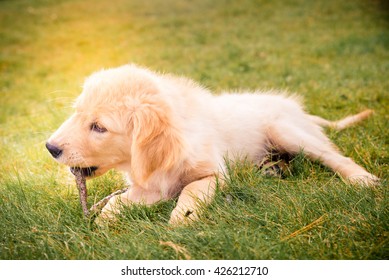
<point x="85" y="171"/>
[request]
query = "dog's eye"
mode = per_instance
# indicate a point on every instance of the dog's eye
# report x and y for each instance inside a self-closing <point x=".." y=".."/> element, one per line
<point x="97" y="128"/>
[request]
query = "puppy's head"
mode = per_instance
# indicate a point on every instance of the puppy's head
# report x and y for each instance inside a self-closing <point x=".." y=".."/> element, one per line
<point x="120" y="122"/>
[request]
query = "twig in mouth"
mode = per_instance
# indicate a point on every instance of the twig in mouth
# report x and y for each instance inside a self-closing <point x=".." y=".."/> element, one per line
<point x="81" y="186"/>
<point x="82" y="190"/>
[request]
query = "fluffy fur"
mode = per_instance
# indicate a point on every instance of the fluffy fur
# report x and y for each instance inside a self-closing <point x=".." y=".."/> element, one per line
<point x="170" y="136"/>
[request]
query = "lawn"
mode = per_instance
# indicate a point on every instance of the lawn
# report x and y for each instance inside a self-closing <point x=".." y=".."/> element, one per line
<point x="333" y="53"/>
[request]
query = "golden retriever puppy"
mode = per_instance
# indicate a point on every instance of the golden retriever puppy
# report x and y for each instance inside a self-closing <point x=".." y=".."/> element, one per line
<point x="171" y="136"/>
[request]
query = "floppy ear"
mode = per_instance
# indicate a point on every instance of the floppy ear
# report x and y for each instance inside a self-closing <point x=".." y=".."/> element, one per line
<point x="156" y="144"/>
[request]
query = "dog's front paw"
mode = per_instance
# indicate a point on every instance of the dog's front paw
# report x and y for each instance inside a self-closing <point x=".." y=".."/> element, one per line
<point x="364" y="179"/>
<point x="181" y="216"/>
<point x="109" y="212"/>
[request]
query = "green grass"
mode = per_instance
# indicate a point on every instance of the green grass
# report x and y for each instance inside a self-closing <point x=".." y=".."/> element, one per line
<point x="334" y="53"/>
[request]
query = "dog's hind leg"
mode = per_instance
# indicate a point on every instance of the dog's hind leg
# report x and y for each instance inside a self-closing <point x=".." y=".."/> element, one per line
<point x="308" y="137"/>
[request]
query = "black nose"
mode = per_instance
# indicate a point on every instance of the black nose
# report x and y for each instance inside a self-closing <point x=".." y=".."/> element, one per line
<point x="54" y="151"/>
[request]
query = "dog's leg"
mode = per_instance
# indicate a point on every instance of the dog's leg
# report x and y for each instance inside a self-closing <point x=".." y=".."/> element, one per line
<point x="308" y="138"/>
<point x="191" y="198"/>
<point x="134" y="194"/>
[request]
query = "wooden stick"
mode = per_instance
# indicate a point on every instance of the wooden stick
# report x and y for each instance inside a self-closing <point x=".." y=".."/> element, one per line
<point x="99" y="205"/>
<point x="82" y="190"/>
<point x="81" y="186"/>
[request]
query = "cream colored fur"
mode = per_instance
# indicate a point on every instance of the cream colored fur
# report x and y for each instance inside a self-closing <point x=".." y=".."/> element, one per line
<point x="170" y="136"/>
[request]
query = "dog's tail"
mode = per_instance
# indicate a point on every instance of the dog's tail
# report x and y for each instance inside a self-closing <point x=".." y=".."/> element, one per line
<point x="343" y="123"/>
